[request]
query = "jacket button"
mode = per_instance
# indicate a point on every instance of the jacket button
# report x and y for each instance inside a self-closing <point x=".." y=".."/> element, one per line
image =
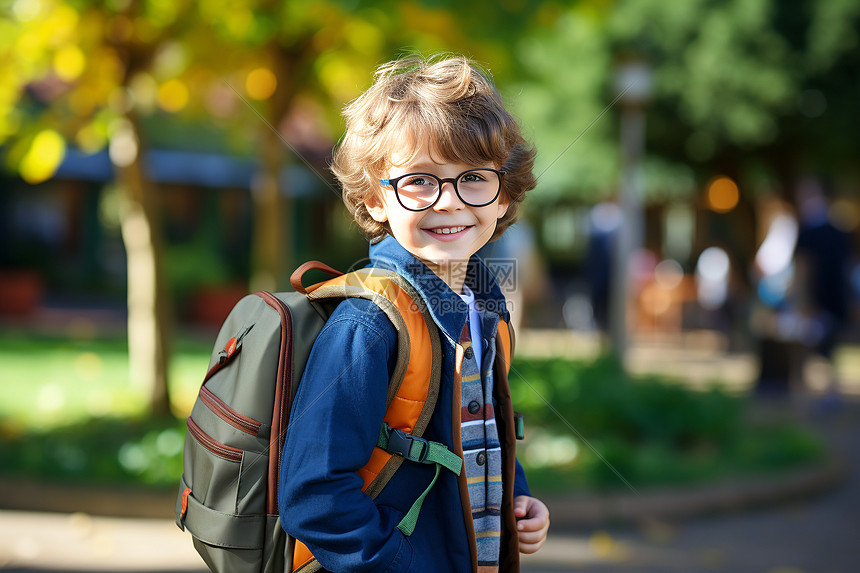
<point x="469" y="353"/>
<point x="474" y="407"/>
<point x="485" y="343"/>
<point x="481" y="458"/>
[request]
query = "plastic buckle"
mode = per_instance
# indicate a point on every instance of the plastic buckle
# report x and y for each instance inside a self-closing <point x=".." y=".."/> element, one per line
<point x="400" y="444"/>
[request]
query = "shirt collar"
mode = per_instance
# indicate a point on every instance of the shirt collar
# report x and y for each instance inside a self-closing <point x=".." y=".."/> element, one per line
<point x="446" y="307"/>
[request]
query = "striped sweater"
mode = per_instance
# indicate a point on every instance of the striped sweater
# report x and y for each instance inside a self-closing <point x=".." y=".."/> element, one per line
<point x="481" y="449"/>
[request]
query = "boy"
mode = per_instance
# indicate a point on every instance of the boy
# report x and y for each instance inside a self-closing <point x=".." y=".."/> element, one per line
<point x="432" y="168"/>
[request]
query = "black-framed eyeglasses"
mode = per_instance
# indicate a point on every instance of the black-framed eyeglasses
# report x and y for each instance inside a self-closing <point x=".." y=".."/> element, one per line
<point x="420" y="191"/>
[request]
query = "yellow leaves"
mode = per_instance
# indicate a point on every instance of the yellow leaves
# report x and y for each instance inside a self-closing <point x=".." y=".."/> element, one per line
<point x="364" y="37"/>
<point x="69" y="63"/>
<point x="94" y="135"/>
<point x="83" y="100"/>
<point x="240" y="24"/>
<point x="341" y="77"/>
<point x="173" y="95"/>
<point x="419" y="17"/>
<point x="26" y="10"/>
<point x="161" y="13"/>
<point x="44" y="156"/>
<point x="261" y="83"/>
<point x="61" y="23"/>
<point x="8" y="34"/>
<point x="52" y="24"/>
<point x="90" y="139"/>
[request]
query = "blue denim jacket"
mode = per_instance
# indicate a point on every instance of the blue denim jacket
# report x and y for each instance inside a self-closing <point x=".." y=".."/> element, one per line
<point x="335" y="423"/>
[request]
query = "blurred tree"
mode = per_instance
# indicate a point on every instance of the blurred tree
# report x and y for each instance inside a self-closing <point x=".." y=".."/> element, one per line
<point x="71" y="72"/>
<point x="94" y="73"/>
<point x="741" y="86"/>
<point x="293" y="53"/>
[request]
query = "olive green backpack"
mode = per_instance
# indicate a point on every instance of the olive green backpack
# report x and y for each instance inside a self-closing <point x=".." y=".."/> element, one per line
<point x="229" y="486"/>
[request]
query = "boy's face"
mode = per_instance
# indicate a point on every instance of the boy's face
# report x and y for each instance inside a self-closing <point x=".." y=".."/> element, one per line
<point x="420" y="232"/>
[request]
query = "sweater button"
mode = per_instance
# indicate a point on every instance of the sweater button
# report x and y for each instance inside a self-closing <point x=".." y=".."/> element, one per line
<point x="474" y="407"/>
<point x="481" y="458"/>
<point x="469" y="353"/>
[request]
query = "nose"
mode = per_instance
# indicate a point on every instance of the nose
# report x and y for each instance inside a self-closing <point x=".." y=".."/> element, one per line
<point x="448" y="200"/>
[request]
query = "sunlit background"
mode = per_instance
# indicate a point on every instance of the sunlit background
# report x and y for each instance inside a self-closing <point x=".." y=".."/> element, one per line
<point x="687" y="258"/>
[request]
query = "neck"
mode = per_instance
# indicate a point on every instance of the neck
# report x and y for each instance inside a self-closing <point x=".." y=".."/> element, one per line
<point x="452" y="274"/>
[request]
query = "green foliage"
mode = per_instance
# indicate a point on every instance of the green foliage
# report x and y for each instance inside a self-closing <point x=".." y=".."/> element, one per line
<point x="56" y="381"/>
<point x="560" y="97"/>
<point x="72" y="416"/>
<point x="732" y="86"/>
<point x="195" y="264"/>
<point x="98" y="450"/>
<point x="649" y="430"/>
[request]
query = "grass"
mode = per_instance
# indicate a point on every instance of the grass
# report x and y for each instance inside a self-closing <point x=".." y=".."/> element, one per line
<point x="49" y="382"/>
<point x="68" y="412"/>
<point x="603" y="424"/>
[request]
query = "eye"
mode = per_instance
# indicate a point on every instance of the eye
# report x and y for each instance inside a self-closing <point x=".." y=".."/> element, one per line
<point x="473" y="177"/>
<point x="417" y="181"/>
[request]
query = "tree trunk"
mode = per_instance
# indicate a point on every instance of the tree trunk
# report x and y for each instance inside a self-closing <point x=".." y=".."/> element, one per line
<point x="272" y="247"/>
<point x="148" y="305"/>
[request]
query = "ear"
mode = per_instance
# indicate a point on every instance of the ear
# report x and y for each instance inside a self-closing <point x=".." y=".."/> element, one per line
<point x="502" y="205"/>
<point x="375" y="205"/>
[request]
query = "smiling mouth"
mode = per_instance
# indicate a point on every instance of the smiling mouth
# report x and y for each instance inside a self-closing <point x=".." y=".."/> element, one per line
<point x="448" y="230"/>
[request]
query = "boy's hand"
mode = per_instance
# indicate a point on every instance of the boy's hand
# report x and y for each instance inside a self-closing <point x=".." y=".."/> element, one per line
<point x="532" y="523"/>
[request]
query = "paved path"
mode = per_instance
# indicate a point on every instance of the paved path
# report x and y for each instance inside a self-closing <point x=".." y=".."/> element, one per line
<point x="819" y="535"/>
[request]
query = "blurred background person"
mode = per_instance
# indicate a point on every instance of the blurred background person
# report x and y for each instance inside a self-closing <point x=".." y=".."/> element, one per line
<point x="821" y="261"/>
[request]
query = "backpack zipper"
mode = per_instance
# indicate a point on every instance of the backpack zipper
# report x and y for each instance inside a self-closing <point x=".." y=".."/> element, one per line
<point x="221" y="450"/>
<point x="229" y="415"/>
<point x="283" y="399"/>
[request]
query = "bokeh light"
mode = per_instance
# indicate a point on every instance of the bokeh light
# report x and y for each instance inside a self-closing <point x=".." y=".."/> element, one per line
<point x="723" y="195"/>
<point x="261" y="83"/>
<point x="845" y="215"/>
<point x="44" y="156"/>
<point x="172" y="95"/>
<point x="712" y="277"/>
<point x="69" y="63"/>
<point x="668" y="274"/>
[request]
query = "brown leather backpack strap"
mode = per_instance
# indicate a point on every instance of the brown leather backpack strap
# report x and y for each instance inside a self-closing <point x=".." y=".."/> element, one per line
<point x="296" y="277"/>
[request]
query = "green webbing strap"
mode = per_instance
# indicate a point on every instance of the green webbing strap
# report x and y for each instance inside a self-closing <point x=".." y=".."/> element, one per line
<point x="419" y="450"/>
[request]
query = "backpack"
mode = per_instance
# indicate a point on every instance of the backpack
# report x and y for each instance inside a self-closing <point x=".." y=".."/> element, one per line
<point x="228" y="490"/>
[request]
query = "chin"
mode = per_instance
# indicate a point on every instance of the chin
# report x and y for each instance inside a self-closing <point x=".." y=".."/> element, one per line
<point x="443" y="258"/>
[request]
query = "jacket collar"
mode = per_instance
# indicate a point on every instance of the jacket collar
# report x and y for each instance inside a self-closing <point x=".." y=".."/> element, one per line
<point x="446" y="307"/>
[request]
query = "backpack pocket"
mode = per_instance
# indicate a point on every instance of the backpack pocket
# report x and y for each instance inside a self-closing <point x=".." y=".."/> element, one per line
<point x="231" y="473"/>
<point x="223" y="503"/>
<point x="216" y="448"/>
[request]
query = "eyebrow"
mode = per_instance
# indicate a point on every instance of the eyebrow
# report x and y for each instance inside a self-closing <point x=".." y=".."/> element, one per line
<point x="420" y="166"/>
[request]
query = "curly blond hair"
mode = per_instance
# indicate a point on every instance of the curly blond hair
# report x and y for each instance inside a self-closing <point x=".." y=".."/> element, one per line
<point x="449" y="102"/>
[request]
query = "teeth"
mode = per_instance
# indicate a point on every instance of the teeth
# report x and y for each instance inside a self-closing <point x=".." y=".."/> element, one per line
<point x="447" y="230"/>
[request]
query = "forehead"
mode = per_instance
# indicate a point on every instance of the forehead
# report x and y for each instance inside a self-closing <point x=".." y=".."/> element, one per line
<point x="407" y="150"/>
<point x="427" y="153"/>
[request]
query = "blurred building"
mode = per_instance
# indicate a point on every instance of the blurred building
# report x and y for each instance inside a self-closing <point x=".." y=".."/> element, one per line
<point x="60" y="242"/>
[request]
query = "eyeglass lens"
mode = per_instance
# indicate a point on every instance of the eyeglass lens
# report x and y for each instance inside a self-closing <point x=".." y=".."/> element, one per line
<point x="477" y="187"/>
